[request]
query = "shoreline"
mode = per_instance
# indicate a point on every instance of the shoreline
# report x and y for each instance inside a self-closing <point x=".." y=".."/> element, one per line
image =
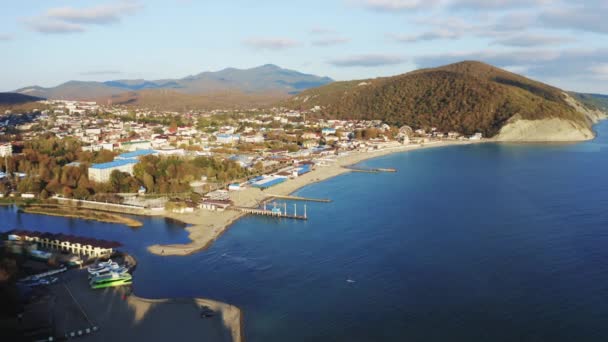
<point x="204" y="227"/>
<point x="83" y="214"/>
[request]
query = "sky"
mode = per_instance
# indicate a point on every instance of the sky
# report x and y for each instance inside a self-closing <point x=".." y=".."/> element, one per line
<point x="46" y="43"/>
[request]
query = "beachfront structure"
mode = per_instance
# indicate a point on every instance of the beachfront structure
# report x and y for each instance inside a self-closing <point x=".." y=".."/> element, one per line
<point x="101" y="172"/>
<point x="6" y="150"/>
<point x="68" y="243"/>
<point x="268" y="182"/>
<point x="215" y="205"/>
<point x="476" y="136"/>
<point x="136" y="145"/>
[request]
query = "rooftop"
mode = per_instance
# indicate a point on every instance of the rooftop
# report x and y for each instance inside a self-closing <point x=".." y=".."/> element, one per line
<point x="135" y="154"/>
<point x="116" y="163"/>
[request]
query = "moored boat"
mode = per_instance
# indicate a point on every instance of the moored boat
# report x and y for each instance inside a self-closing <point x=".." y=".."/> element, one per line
<point x="111" y="280"/>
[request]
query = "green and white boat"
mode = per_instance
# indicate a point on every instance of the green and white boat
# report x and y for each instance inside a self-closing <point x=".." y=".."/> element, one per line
<point x="111" y="280"/>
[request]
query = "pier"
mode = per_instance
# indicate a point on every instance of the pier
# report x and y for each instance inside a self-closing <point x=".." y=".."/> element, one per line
<point x="274" y="212"/>
<point x="371" y="170"/>
<point x="298" y="198"/>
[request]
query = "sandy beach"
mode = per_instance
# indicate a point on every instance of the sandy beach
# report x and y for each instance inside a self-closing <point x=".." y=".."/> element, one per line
<point x="206" y="226"/>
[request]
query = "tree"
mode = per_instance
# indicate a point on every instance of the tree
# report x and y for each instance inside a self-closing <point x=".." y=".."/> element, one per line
<point x="148" y="182"/>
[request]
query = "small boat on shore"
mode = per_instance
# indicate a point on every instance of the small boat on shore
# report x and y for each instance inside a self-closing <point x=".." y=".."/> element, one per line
<point x="111" y="280"/>
<point x="102" y="266"/>
<point x="118" y="269"/>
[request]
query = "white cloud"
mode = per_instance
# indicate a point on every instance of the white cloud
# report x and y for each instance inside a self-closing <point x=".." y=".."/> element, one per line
<point x="599" y="71"/>
<point x="100" y="15"/>
<point x="494" y="4"/>
<point x="55" y="27"/>
<point x="370" y="60"/>
<point x="426" y="36"/>
<point x="532" y="40"/>
<point x="398" y="5"/>
<point x="585" y="17"/>
<point x="71" y="19"/>
<point x="271" y="43"/>
<point x="330" y="41"/>
<point x="5" y="37"/>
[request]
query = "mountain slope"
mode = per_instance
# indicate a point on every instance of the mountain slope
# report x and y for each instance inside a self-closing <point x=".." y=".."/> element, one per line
<point x="19" y="102"/>
<point x="466" y="97"/>
<point x="164" y="99"/>
<point x="16" y="98"/>
<point x="260" y="80"/>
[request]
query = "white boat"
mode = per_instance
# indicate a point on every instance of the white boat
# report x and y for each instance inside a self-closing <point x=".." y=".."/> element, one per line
<point x="109" y="270"/>
<point x="101" y="266"/>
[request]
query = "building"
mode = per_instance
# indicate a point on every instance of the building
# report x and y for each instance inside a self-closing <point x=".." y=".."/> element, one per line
<point x="136" y="154"/>
<point x="6" y="150"/>
<point x="136" y="145"/>
<point x="215" y="205"/>
<point x="228" y="138"/>
<point x="328" y="131"/>
<point x="101" y="172"/>
<point x="68" y="243"/>
<point x="476" y="136"/>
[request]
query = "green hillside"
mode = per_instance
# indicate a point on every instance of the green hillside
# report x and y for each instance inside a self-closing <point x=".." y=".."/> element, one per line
<point x="466" y="97"/>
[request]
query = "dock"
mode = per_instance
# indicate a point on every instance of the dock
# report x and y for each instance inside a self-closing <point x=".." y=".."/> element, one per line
<point x="298" y="198"/>
<point x="370" y="170"/>
<point x="275" y="212"/>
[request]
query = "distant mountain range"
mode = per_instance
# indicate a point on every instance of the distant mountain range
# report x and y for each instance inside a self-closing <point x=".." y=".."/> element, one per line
<point x="265" y="79"/>
<point x="466" y="97"/>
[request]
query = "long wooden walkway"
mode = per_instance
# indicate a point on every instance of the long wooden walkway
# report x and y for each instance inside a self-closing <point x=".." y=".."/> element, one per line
<point x="370" y="170"/>
<point x="298" y="198"/>
<point x="262" y="212"/>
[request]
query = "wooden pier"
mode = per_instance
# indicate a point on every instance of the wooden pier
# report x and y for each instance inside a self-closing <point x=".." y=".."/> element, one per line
<point x="275" y="212"/>
<point x="298" y="198"/>
<point x="371" y="170"/>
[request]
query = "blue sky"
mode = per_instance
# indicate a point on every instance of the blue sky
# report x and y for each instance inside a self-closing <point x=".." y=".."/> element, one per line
<point x="50" y="42"/>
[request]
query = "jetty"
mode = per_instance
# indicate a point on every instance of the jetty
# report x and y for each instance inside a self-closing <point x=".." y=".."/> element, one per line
<point x="298" y="198"/>
<point x="370" y="170"/>
<point x="274" y="212"/>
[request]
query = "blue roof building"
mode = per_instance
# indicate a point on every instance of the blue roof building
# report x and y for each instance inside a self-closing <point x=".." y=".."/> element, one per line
<point x="101" y="172"/>
<point x="136" y="154"/>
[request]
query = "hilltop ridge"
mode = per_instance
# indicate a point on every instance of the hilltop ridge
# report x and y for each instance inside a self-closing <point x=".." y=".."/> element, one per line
<point x="263" y="80"/>
<point x="466" y="97"/>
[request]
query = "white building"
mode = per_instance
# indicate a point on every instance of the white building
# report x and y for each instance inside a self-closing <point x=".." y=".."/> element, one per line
<point x="101" y="172"/>
<point x="136" y="145"/>
<point x="476" y="136"/>
<point x="6" y="150"/>
<point x="228" y="138"/>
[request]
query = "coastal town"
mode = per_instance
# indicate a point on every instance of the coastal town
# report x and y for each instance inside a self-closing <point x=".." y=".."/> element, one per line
<point x="205" y="169"/>
<point x="263" y="148"/>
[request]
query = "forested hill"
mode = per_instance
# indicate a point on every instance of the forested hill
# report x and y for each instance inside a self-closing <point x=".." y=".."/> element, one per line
<point x="466" y="97"/>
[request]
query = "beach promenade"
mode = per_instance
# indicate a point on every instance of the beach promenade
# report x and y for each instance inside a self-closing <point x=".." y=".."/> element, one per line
<point x="206" y="226"/>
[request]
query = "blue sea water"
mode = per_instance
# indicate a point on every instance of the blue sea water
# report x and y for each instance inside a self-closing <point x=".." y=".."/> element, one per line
<point x="488" y="242"/>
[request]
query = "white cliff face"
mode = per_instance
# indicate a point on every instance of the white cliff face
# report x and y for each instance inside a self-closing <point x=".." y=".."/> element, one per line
<point x="549" y="130"/>
<point x="552" y="129"/>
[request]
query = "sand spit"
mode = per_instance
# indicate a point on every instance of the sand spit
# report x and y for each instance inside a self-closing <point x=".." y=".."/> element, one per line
<point x="84" y="214"/>
<point x="206" y="226"/>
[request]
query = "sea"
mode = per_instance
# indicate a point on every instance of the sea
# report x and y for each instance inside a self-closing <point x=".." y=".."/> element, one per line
<point x="484" y="242"/>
